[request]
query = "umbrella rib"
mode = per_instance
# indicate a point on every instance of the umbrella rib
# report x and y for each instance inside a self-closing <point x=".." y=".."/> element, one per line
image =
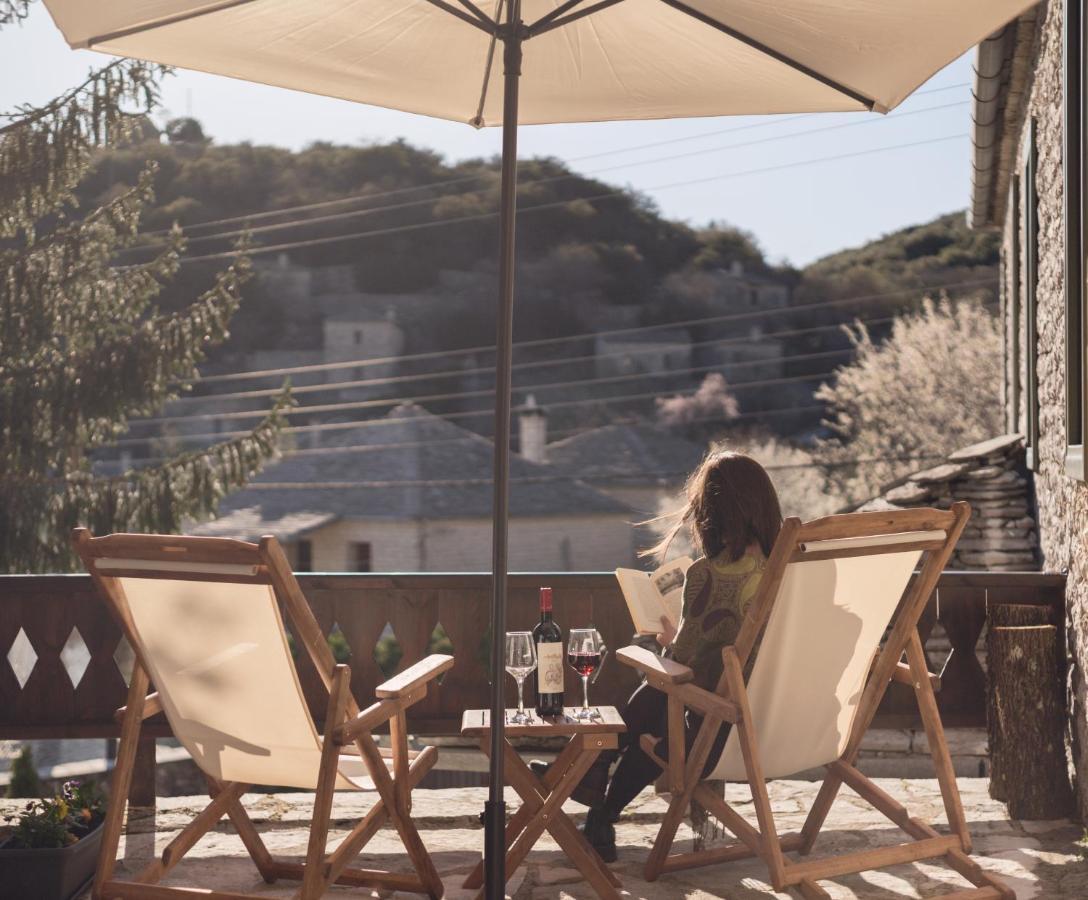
<point x="160" y="23"/>
<point x="868" y="102"/>
<point x="484" y="18"/>
<point x="554" y="14"/>
<point x="477" y="121"/>
<point x="551" y="21"/>
<point x="489" y="28"/>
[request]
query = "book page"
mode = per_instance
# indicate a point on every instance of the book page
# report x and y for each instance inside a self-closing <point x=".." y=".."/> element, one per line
<point x="651" y="595"/>
<point x="643" y="600"/>
<point x="669" y="583"/>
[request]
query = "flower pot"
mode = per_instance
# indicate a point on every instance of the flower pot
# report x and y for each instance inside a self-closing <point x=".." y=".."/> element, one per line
<point x="55" y="874"/>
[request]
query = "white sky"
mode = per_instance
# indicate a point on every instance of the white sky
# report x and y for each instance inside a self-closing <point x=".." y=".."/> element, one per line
<point x="797" y="213"/>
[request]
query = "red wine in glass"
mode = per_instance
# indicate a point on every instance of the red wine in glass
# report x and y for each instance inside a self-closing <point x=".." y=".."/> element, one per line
<point x="585" y="664"/>
<point x="584" y="655"/>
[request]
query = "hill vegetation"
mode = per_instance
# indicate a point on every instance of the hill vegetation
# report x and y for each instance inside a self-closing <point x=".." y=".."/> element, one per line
<point x="591" y="256"/>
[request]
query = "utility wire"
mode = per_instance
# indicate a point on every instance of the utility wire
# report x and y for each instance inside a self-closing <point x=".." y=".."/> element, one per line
<point x="324" y="204"/>
<point x="593" y="198"/>
<point x="462" y="414"/>
<point x="487" y="392"/>
<point x="255" y="374"/>
<point x="551" y="477"/>
<point x="410" y="204"/>
<point x="538" y="364"/>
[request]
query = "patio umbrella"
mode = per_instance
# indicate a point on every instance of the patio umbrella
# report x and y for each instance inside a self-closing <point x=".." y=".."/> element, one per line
<point x="584" y="60"/>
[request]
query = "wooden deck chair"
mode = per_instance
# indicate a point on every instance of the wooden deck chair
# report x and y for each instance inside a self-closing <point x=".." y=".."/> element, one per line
<point x="837" y="612"/>
<point x="203" y="617"/>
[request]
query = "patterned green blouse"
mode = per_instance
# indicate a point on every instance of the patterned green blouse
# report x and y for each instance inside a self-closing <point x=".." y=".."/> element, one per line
<point x="717" y="593"/>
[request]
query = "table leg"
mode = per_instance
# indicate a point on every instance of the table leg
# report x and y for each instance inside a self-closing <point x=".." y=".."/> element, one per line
<point x="550" y="816"/>
<point x="525" y="812"/>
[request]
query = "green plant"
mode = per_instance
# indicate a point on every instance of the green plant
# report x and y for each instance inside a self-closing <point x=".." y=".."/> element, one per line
<point x="24" y="776"/>
<point x="59" y="821"/>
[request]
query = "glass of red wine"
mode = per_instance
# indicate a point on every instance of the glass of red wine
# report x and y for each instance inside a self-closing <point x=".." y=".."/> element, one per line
<point x="584" y="655"/>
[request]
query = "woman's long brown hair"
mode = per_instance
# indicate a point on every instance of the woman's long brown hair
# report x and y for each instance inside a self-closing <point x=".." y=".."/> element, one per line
<point x="731" y="503"/>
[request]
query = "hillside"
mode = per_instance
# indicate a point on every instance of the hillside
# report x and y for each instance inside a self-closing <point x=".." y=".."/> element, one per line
<point x="418" y="236"/>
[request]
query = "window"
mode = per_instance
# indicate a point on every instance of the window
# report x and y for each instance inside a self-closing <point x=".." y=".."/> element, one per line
<point x="1012" y="311"/>
<point x="304" y="556"/>
<point x="1073" y="172"/>
<point x="1029" y="236"/>
<point x="360" y="556"/>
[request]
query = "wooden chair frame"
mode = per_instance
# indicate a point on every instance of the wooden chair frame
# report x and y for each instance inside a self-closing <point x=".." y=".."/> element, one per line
<point x="347" y="729"/>
<point x="729" y="704"/>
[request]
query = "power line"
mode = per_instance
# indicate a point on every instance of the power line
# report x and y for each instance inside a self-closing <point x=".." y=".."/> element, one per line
<point x="551" y="477"/>
<point x="593" y="198"/>
<point x="323" y="204"/>
<point x="543" y="363"/>
<point x="614" y="332"/>
<point x="464" y="414"/>
<point x="367" y="211"/>
<point x="487" y="392"/>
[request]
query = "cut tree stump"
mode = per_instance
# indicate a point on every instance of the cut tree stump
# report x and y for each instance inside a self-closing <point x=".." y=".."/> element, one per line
<point x="1026" y="716"/>
<point x="1005" y="615"/>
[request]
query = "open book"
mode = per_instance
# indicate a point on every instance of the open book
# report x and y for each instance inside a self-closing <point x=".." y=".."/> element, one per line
<point x="651" y="595"/>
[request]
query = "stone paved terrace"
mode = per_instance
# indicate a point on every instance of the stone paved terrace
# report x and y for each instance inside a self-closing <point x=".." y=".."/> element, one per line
<point x="1038" y="859"/>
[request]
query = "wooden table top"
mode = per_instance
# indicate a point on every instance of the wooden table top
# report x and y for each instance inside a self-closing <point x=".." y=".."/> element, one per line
<point x="477" y="722"/>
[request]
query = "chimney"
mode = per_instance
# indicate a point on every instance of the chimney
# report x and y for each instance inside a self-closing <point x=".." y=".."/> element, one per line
<point x="533" y="432"/>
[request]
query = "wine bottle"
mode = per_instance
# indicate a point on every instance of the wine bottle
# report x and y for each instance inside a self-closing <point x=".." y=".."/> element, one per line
<point x="549" y="660"/>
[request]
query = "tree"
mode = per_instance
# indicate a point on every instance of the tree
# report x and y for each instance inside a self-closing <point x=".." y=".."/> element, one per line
<point x="185" y="130"/>
<point x="702" y="412"/>
<point x="24" y="782"/>
<point x="932" y="387"/>
<point x="82" y="345"/>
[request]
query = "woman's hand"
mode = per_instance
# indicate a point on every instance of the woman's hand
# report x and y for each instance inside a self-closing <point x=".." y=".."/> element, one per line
<point x="668" y="632"/>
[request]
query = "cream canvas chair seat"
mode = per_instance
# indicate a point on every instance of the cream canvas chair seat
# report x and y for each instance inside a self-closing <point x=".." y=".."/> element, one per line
<point x="835" y="613"/>
<point x="203" y="617"/>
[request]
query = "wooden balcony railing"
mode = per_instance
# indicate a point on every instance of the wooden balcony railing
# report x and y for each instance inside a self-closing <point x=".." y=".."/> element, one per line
<point x="66" y="664"/>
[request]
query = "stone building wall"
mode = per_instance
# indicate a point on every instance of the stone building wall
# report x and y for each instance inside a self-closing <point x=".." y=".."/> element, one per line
<point x="1062" y="502"/>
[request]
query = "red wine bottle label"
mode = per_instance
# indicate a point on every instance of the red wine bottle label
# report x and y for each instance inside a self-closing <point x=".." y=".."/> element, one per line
<point x="550" y="667"/>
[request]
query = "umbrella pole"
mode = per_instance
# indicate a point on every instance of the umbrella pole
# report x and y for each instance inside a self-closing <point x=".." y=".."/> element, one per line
<point x="511" y="34"/>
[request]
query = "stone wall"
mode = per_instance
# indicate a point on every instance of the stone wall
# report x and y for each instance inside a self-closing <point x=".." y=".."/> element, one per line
<point x="1062" y="501"/>
<point x="1001" y="534"/>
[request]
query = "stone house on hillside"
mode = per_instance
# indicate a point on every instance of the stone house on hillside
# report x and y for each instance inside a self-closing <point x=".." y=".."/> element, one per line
<point x="1030" y="155"/>
<point x="640" y="465"/>
<point x="412" y="493"/>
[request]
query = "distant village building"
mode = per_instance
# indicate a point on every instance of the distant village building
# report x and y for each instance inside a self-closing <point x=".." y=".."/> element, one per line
<point x="659" y="350"/>
<point x="375" y="340"/>
<point x="412" y="492"/>
<point x="642" y="466"/>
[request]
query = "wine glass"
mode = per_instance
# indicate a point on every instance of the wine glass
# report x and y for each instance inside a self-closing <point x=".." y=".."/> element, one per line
<point x="584" y="655"/>
<point x="520" y="662"/>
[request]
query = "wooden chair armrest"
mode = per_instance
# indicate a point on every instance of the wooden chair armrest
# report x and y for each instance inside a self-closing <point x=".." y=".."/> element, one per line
<point x="414" y="676"/>
<point x="901" y="673"/>
<point x="368" y="719"/>
<point x="705" y="702"/>
<point x="376" y="714"/>
<point x="674" y="679"/>
<point x="653" y="666"/>
<point x="152" y="707"/>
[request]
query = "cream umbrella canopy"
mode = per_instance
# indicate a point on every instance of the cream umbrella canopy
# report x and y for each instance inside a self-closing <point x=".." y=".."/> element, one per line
<point x="559" y="61"/>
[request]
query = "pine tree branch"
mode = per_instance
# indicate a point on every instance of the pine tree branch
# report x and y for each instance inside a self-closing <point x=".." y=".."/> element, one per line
<point x="64" y="280"/>
<point x="13" y="11"/>
<point x="159" y="500"/>
<point x="85" y="399"/>
<point x="46" y="150"/>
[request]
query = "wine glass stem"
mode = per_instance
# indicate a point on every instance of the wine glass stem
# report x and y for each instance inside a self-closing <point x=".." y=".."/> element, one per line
<point x="585" y="692"/>
<point x="521" y="704"/>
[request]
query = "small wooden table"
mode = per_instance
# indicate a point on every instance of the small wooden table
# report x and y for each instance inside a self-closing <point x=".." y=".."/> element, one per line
<point x="543" y="798"/>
